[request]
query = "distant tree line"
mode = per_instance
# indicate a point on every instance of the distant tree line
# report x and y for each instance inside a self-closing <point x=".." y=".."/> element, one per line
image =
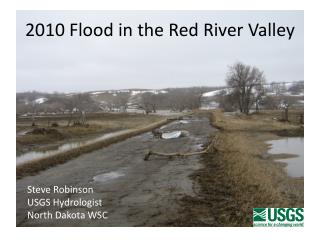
<point x="55" y="103"/>
<point x="246" y="90"/>
<point x="176" y="99"/>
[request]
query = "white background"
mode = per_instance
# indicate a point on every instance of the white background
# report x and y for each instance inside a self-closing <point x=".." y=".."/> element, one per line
<point x="8" y="96"/>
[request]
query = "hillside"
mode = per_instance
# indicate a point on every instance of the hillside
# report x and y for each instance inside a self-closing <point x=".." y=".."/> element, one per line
<point x="148" y="100"/>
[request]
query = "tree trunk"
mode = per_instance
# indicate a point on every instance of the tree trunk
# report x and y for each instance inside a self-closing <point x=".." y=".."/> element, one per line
<point x="33" y="121"/>
<point x="70" y="119"/>
<point x="286" y="114"/>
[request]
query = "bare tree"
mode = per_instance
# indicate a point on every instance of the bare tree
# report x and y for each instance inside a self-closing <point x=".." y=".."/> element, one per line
<point x="148" y="102"/>
<point x="226" y="101"/>
<point x="259" y="93"/>
<point x="243" y="79"/>
<point x="34" y="113"/>
<point x="297" y="88"/>
<point x="180" y="99"/>
<point x="286" y="104"/>
<point x="122" y="100"/>
<point x="78" y="105"/>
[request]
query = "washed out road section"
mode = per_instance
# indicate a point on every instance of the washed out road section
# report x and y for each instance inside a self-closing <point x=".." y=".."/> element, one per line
<point x="134" y="192"/>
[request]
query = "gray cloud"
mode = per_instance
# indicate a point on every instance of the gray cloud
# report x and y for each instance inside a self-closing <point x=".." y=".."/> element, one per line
<point x="81" y="64"/>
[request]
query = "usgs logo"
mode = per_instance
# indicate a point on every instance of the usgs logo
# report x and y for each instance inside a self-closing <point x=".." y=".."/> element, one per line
<point x="278" y="217"/>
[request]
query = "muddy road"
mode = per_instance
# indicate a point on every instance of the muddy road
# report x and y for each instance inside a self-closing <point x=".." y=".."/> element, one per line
<point x="134" y="192"/>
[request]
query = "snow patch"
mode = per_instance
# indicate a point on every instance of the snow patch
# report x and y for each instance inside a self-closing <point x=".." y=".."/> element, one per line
<point x="96" y="93"/>
<point x="135" y="92"/>
<point x="216" y="92"/>
<point x="41" y="100"/>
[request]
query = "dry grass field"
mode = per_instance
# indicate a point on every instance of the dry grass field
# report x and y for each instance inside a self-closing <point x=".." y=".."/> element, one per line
<point x="239" y="175"/>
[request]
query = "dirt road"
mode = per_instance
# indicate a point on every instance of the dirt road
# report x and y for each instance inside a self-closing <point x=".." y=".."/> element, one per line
<point x="134" y="192"/>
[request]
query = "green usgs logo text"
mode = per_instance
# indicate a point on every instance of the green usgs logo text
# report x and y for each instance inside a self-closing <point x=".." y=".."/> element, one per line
<point x="278" y="214"/>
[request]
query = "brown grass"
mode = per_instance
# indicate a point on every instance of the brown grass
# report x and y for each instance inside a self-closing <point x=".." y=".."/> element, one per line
<point x="266" y="121"/>
<point x="97" y="124"/>
<point x="33" y="167"/>
<point x="236" y="177"/>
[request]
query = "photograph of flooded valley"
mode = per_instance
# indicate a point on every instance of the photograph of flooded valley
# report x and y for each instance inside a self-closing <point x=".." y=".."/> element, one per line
<point x="158" y="132"/>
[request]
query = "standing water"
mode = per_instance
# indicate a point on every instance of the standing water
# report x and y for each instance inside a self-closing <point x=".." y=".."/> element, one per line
<point x="292" y="145"/>
<point x="35" y="155"/>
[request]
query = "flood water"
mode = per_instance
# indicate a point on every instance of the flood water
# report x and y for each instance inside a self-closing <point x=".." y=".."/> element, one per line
<point x="134" y="192"/>
<point x="35" y="155"/>
<point x="292" y="145"/>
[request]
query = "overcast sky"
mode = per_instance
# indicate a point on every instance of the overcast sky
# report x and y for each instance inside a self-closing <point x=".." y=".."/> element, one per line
<point x="68" y="64"/>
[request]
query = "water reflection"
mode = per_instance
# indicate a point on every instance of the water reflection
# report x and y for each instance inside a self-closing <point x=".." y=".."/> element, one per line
<point x="34" y="155"/>
<point x="295" y="165"/>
